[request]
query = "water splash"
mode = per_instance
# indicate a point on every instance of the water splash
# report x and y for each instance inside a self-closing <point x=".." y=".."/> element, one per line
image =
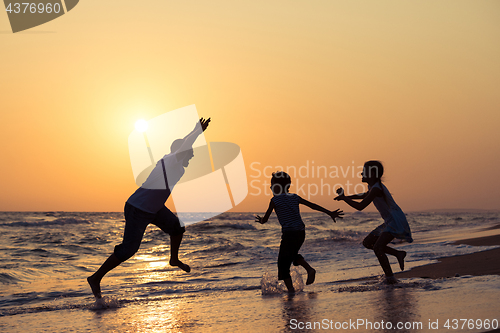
<point x="270" y="285"/>
<point x="105" y="303"/>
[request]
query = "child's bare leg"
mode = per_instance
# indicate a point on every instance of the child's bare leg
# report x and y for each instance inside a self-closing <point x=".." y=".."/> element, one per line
<point x="401" y="259"/>
<point x="175" y="243"/>
<point x="311" y="272"/>
<point x="289" y="285"/>
<point x="95" y="279"/>
<point x="369" y="243"/>
<point x="379" y="249"/>
<point x="400" y="255"/>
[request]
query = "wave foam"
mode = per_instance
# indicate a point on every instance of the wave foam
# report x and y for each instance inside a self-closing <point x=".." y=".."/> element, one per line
<point x="61" y="221"/>
<point x="382" y="285"/>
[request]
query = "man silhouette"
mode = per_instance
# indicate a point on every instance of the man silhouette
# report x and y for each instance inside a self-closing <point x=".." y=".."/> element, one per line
<point x="147" y="205"/>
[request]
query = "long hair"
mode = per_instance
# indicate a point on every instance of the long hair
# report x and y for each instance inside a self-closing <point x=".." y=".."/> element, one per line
<point x="376" y="169"/>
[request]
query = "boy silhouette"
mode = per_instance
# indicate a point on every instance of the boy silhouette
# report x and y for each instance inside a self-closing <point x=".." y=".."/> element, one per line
<point x="293" y="235"/>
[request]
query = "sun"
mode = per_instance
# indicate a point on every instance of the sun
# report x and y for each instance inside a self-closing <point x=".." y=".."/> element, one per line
<point x="141" y="125"/>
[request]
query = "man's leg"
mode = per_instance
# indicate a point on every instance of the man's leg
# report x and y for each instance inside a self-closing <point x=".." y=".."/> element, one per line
<point x="95" y="279"/>
<point x="136" y="222"/>
<point x="170" y="224"/>
<point x="175" y="243"/>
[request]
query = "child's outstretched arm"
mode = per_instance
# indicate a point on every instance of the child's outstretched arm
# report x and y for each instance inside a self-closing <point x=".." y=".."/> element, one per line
<point x="333" y="214"/>
<point x="360" y="196"/>
<point x="367" y="198"/>
<point x="264" y="219"/>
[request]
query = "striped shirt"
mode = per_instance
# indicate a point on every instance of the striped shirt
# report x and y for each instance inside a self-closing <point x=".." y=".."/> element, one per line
<point x="286" y="206"/>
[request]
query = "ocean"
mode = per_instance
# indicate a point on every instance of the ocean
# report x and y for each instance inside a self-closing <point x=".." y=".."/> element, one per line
<point x="45" y="258"/>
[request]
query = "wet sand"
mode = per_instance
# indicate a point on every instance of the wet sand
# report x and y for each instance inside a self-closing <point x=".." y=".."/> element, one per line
<point x="477" y="264"/>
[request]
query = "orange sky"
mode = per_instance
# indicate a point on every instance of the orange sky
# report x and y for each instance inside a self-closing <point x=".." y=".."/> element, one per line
<point x="413" y="84"/>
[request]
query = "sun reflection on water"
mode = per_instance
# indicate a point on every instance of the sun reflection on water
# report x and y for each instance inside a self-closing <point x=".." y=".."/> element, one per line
<point x="152" y="268"/>
<point x="167" y="315"/>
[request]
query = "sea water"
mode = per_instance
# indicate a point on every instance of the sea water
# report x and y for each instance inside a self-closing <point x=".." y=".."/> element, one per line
<point x="45" y="258"/>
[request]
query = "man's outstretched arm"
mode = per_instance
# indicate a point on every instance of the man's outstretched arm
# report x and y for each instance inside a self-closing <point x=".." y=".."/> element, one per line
<point x="189" y="139"/>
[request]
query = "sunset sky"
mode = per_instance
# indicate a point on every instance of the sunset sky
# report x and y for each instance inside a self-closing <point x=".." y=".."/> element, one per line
<point x="328" y="83"/>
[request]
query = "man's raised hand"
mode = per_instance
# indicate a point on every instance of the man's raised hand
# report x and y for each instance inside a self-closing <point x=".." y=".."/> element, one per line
<point x="204" y="123"/>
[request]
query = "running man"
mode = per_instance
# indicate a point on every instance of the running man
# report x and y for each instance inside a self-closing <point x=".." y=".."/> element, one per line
<point x="147" y="205"/>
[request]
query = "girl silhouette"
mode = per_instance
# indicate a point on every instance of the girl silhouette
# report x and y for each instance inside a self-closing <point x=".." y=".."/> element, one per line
<point x="395" y="224"/>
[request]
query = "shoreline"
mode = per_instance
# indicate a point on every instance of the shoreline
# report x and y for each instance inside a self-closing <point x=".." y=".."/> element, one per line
<point x="476" y="264"/>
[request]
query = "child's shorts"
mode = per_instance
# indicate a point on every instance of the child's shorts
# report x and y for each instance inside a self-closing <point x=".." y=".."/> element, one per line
<point x="291" y="241"/>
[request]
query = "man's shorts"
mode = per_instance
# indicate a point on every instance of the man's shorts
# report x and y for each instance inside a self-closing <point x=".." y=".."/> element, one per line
<point x="136" y="222"/>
